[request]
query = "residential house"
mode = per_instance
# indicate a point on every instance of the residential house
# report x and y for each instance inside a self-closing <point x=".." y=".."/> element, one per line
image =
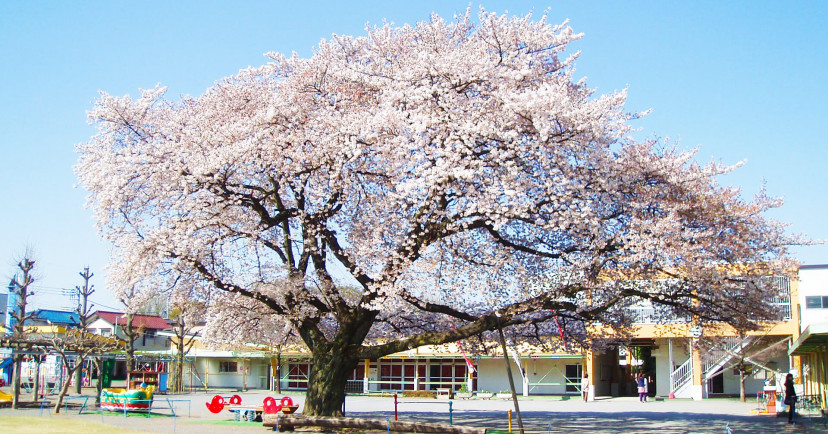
<point x="150" y="340"/>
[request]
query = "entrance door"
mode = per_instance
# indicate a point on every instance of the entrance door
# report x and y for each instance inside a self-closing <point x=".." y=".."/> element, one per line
<point x="716" y="384"/>
<point x="574" y="373"/>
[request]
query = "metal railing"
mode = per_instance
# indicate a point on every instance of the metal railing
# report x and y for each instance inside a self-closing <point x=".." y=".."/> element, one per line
<point x="716" y="355"/>
<point x="649" y="315"/>
<point x="356" y="386"/>
<point x="681" y="375"/>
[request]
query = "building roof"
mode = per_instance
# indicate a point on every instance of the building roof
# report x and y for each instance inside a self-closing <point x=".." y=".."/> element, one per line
<point x="813" y="267"/>
<point x="813" y="339"/>
<point x="54" y="317"/>
<point x="147" y="321"/>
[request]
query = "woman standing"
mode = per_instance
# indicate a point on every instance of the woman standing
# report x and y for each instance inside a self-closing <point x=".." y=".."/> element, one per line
<point x="790" y="396"/>
<point x="642" y="387"/>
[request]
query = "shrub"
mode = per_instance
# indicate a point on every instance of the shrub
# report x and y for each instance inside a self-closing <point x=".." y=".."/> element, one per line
<point x="419" y="394"/>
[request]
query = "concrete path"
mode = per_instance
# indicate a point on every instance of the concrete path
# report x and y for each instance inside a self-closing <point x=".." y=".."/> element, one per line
<point x="540" y="415"/>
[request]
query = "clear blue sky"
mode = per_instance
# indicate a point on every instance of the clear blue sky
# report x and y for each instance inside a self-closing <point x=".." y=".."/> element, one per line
<point x="739" y="80"/>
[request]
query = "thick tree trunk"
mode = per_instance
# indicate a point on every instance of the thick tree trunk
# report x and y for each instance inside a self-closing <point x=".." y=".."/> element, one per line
<point x="18" y="365"/>
<point x="328" y="378"/>
<point x="131" y="336"/>
<point x="130" y="356"/>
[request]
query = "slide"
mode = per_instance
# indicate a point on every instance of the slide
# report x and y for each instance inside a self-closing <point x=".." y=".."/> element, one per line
<point x="5" y="398"/>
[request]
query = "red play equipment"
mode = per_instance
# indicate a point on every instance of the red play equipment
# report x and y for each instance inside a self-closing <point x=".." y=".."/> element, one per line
<point x="251" y="412"/>
<point x="218" y="402"/>
<point x="285" y="405"/>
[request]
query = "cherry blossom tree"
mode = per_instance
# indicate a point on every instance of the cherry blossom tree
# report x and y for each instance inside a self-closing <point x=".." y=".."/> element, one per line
<point x="422" y="185"/>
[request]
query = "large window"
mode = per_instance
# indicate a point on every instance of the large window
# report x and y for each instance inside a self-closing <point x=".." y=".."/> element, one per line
<point x="356" y="378"/>
<point x="816" y="302"/>
<point x="228" y="367"/>
<point x="298" y="375"/>
<point x="444" y="373"/>
<point x="399" y="374"/>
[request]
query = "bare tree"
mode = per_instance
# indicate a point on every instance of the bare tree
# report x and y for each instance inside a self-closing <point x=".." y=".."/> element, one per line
<point x="20" y="284"/>
<point x="79" y="342"/>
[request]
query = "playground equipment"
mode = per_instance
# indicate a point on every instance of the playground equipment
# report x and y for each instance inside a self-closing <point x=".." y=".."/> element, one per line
<point x="5" y="399"/>
<point x="127" y="400"/>
<point x="251" y="413"/>
<point x="218" y="402"/>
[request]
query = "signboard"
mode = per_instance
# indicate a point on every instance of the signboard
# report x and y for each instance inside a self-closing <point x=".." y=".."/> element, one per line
<point x="696" y="331"/>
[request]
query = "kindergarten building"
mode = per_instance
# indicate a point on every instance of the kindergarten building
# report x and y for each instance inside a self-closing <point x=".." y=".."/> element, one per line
<point x="664" y="352"/>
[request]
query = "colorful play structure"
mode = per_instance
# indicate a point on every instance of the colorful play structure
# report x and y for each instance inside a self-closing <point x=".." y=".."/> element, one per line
<point x="5" y="399"/>
<point x="251" y="413"/>
<point x="127" y="400"/>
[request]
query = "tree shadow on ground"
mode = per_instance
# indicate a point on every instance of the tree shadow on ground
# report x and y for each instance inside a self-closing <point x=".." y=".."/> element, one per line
<point x="602" y="422"/>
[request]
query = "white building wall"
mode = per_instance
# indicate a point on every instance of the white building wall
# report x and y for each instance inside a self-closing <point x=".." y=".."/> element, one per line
<point x="663" y="368"/>
<point x="493" y="377"/>
<point x="248" y="374"/>
<point x="813" y="282"/>
<point x="756" y="380"/>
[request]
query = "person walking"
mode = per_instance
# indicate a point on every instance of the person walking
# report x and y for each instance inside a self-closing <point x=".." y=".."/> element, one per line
<point x="585" y="387"/>
<point x="790" y="396"/>
<point x="642" y="387"/>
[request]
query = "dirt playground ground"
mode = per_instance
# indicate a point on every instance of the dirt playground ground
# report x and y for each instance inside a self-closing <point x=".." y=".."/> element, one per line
<point x="540" y="415"/>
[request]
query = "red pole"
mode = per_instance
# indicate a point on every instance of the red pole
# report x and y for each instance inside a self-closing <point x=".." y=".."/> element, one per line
<point x="395" y="406"/>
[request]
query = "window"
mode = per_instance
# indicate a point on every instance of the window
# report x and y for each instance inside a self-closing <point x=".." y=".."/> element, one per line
<point x="105" y="332"/>
<point x="298" y="374"/>
<point x="228" y="367"/>
<point x="451" y="373"/>
<point x="816" y="302"/>
<point x="399" y="374"/>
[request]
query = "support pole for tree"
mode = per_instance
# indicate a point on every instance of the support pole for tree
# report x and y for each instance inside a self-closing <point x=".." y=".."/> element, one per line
<point x="511" y="380"/>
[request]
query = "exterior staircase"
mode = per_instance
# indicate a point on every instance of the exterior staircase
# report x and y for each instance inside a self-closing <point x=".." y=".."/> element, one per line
<point x="682" y="377"/>
<point x="721" y="356"/>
